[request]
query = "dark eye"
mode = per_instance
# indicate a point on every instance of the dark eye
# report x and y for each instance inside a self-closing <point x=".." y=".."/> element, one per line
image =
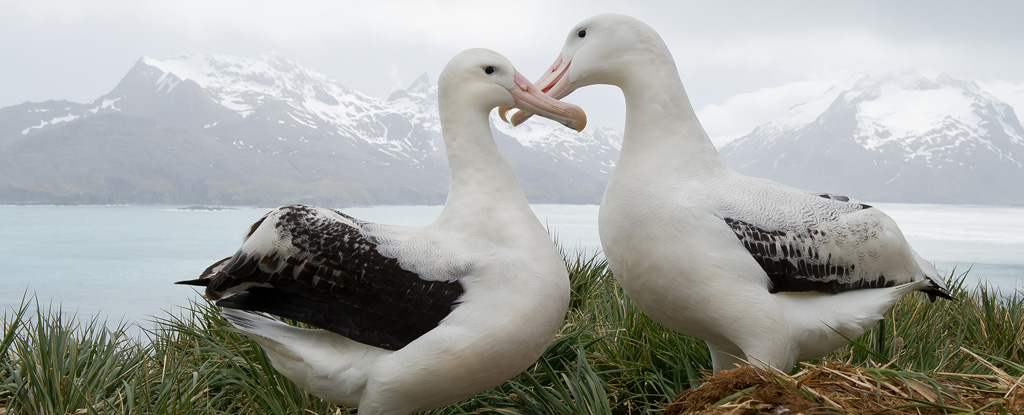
<point x="582" y="33"/>
<point x="489" y="70"/>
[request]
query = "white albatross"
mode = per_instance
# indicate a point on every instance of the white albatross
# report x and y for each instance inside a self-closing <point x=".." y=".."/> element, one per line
<point x="760" y="271"/>
<point x="412" y="318"/>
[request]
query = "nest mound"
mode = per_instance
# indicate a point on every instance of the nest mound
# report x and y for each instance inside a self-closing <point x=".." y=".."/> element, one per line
<point x="838" y="388"/>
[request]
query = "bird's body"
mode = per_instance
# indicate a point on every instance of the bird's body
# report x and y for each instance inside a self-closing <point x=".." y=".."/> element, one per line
<point x="705" y="262"/>
<point x="762" y="272"/>
<point x="487" y="307"/>
<point x="410" y="318"/>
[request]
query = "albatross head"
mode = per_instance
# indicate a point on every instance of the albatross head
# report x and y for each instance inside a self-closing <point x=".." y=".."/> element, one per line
<point x="486" y="78"/>
<point x="606" y="49"/>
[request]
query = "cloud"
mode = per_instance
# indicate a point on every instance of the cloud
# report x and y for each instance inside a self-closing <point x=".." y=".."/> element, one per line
<point x="397" y="81"/>
<point x="76" y="50"/>
<point x="303" y="21"/>
<point x="738" y="115"/>
<point x="1008" y="92"/>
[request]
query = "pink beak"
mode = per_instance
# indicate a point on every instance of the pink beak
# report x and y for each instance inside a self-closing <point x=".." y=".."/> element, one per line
<point x="532" y="100"/>
<point x="554" y="83"/>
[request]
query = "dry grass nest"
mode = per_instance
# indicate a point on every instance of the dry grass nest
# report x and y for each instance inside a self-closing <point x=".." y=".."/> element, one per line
<point x="839" y="388"/>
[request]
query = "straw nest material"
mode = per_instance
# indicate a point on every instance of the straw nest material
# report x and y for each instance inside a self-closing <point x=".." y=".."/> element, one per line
<point x="838" y="388"/>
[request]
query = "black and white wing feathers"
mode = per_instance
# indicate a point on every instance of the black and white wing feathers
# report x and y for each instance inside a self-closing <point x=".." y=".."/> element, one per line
<point x="834" y="244"/>
<point x="321" y="267"/>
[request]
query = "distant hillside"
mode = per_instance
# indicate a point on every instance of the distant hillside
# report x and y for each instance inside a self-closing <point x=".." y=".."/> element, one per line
<point x="896" y="137"/>
<point x="214" y="129"/>
<point x="211" y="129"/>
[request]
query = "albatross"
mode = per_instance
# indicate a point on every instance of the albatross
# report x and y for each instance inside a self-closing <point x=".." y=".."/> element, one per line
<point x="410" y="318"/>
<point x="763" y="273"/>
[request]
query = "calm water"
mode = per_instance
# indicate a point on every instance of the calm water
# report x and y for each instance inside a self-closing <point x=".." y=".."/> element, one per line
<point x="119" y="262"/>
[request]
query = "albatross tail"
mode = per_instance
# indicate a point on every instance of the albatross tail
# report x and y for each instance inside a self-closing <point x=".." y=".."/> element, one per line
<point x="308" y="356"/>
<point x="814" y="319"/>
<point x="936" y="286"/>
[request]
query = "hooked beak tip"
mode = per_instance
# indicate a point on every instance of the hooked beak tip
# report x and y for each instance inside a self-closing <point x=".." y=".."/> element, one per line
<point x="580" y="121"/>
<point x="518" y="117"/>
<point x="503" y="113"/>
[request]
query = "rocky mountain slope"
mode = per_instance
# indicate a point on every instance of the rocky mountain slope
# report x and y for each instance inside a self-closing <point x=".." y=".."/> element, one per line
<point x="213" y="129"/>
<point x="901" y="137"/>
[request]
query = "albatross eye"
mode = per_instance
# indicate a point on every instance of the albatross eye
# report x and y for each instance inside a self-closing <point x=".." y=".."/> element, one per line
<point x="489" y="70"/>
<point x="582" y="33"/>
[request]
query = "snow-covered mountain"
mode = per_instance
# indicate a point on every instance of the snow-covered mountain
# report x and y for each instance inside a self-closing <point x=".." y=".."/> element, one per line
<point x="893" y="137"/>
<point x="228" y="130"/>
<point x="213" y="129"/>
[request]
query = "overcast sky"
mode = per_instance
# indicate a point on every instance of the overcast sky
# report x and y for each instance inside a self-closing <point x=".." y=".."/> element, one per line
<point x="743" y="62"/>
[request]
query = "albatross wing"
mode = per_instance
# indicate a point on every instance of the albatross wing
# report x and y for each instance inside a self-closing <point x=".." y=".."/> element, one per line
<point x="322" y="267"/>
<point x="832" y="245"/>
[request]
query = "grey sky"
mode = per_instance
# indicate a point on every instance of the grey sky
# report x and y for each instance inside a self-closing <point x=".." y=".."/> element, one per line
<point x="743" y="62"/>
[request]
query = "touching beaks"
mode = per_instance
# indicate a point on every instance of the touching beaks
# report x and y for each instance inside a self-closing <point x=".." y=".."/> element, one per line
<point x="554" y="83"/>
<point x="530" y="100"/>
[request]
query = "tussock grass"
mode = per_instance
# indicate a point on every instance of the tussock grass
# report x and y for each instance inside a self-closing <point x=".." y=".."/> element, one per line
<point x="942" y="357"/>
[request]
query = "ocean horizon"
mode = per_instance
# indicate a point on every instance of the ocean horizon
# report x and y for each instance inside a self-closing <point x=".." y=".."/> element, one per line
<point x="119" y="262"/>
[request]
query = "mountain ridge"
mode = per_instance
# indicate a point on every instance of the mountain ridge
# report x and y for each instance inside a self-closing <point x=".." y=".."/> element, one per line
<point x="225" y="130"/>
<point x="895" y="137"/>
<point x="261" y="131"/>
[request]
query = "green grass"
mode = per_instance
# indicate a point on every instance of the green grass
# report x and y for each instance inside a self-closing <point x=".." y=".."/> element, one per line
<point x="607" y="359"/>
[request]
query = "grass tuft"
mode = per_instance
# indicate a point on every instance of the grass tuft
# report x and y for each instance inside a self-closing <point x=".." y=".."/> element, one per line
<point x="608" y="358"/>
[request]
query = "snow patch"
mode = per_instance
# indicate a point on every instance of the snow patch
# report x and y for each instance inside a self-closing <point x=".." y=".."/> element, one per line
<point x="900" y="113"/>
<point x="53" y="121"/>
<point x="167" y="82"/>
<point x="106" y="104"/>
<point x="268" y="82"/>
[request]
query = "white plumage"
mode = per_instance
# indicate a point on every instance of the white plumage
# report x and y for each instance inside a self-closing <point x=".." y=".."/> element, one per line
<point x="760" y="271"/>
<point x="412" y="318"/>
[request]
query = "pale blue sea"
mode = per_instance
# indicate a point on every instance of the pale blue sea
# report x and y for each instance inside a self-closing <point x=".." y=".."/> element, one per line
<point x="119" y="262"/>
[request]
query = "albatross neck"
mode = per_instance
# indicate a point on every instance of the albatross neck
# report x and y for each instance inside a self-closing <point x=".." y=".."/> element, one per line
<point x="662" y="129"/>
<point x="481" y="178"/>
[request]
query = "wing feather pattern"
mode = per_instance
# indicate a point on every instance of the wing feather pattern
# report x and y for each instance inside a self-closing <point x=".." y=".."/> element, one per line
<point x="320" y="267"/>
<point x="834" y="246"/>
